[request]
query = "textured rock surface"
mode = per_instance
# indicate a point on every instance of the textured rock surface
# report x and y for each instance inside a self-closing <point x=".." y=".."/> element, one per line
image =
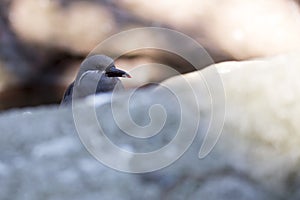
<point x="256" y="157"/>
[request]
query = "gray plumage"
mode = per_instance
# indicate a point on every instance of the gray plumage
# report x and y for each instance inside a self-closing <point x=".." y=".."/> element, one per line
<point x="97" y="74"/>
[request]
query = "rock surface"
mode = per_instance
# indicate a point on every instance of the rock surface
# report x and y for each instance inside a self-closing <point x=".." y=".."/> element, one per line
<point x="256" y="157"/>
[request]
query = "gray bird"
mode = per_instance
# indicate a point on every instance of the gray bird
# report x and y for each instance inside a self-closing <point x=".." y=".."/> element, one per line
<point x="97" y="74"/>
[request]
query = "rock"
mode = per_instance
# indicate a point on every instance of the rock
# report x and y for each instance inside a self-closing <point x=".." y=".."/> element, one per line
<point x="256" y="156"/>
<point x="233" y="29"/>
<point x="14" y="65"/>
<point x="77" y="27"/>
<point x="238" y="29"/>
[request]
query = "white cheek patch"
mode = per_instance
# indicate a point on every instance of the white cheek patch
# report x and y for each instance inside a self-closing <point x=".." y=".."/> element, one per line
<point x="87" y="72"/>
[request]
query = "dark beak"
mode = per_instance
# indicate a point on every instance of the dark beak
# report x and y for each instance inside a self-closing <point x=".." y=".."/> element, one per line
<point x="114" y="72"/>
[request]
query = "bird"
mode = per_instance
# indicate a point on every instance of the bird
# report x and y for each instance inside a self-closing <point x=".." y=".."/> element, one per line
<point x="97" y="74"/>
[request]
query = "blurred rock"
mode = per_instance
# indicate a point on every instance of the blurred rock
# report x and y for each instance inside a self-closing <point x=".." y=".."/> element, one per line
<point x="239" y="29"/>
<point x="26" y="72"/>
<point x="14" y="65"/>
<point x="233" y="29"/>
<point x="256" y="157"/>
<point x="5" y="77"/>
<point x="77" y="27"/>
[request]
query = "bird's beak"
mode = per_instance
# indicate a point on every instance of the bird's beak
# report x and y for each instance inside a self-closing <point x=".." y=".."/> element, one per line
<point x="114" y="72"/>
<point x="126" y="75"/>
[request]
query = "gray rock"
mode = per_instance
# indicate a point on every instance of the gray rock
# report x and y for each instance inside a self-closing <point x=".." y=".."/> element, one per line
<point x="256" y="157"/>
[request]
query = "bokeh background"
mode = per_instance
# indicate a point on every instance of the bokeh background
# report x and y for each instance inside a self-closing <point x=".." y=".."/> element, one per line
<point x="42" y="42"/>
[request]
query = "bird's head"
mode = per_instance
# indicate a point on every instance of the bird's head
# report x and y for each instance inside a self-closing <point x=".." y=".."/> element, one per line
<point x="102" y="64"/>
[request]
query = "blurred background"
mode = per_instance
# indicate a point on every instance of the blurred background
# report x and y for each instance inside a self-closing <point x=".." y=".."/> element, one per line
<point x="42" y="42"/>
